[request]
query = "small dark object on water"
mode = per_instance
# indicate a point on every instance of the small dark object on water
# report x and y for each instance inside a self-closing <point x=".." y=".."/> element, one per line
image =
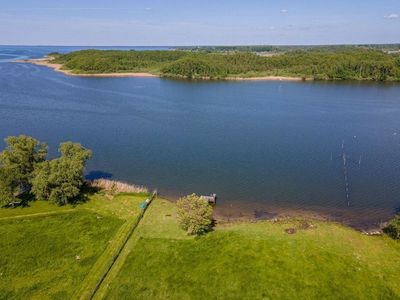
<point x="290" y="230"/>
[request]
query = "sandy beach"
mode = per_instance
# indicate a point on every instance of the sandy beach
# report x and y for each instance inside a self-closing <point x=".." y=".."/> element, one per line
<point x="46" y="62"/>
<point x="267" y="78"/>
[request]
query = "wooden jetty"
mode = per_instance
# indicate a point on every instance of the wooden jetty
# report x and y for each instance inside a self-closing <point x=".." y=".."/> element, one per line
<point x="212" y="199"/>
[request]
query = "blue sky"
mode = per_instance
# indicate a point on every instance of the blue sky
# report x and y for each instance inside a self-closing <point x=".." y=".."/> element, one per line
<point x="123" y="22"/>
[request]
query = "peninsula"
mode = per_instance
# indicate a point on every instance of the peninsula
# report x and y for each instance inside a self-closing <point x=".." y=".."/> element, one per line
<point x="304" y="64"/>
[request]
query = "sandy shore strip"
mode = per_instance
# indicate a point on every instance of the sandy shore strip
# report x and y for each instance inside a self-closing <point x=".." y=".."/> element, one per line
<point x="363" y="219"/>
<point x="268" y="78"/>
<point x="45" y="62"/>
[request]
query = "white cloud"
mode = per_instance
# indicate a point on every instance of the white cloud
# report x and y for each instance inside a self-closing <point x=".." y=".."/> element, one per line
<point x="148" y="8"/>
<point x="392" y="16"/>
<point x="284" y="11"/>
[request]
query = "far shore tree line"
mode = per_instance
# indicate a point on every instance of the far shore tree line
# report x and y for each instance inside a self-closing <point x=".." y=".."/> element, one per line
<point x="25" y="170"/>
<point x="342" y="63"/>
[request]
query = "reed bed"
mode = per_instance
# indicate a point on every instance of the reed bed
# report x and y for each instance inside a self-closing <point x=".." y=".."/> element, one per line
<point x="117" y="186"/>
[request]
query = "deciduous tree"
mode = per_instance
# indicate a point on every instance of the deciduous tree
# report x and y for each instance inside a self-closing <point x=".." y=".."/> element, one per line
<point x="60" y="180"/>
<point x="17" y="163"/>
<point x="194" y="214"/>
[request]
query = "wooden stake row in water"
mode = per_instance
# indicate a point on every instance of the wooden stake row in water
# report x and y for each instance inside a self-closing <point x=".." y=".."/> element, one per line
<point x="346" y="180"/>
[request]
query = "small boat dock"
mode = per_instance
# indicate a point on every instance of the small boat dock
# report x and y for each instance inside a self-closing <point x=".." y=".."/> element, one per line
<point x="212" y="199"/>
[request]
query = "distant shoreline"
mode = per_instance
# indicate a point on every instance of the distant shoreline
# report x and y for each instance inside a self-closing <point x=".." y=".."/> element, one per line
<point x="46" y="62"/>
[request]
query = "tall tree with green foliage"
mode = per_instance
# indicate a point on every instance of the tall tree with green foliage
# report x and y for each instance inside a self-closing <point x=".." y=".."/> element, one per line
<point x="7" y="187"/>
<point x="194" y="214"/>
<point x="60" y="180"/>
<point x="17" y="163"/>
<point x="41" y="185"/>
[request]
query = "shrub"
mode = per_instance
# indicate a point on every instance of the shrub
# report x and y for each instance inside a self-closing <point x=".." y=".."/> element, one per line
<point x="393" y="228"/>
<point x="194" y="214"/>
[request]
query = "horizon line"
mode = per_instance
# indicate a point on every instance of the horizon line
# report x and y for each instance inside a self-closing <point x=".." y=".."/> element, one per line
<point x="203" y="45"/>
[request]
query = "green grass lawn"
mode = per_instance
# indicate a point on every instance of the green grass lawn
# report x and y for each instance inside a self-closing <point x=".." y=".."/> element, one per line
<point x="122" y="206"/>
<point x="37" y="207"/>
<point x="256" y="261"/>
<point x="38" y="255"/>
<point x="39" y="244"/>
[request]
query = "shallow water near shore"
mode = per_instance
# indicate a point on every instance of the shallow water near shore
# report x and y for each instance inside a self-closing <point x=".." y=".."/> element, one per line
<point x="266" y="148"/>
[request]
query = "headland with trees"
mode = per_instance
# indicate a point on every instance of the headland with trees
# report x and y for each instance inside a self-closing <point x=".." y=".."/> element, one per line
<point x="301" y="63"/>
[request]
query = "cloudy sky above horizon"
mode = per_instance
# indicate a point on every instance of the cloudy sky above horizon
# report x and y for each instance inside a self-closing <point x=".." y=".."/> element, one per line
<point x="123" y="22"/>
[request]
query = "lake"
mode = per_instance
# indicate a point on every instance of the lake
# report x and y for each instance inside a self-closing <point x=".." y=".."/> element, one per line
<point x="265" y="147"/>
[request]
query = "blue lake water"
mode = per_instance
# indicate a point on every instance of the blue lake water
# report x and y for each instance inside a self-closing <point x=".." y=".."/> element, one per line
<point x="263" y="147"/>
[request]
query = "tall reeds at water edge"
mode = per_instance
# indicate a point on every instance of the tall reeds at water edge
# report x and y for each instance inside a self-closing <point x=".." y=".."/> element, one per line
<point x="117" y="186"/>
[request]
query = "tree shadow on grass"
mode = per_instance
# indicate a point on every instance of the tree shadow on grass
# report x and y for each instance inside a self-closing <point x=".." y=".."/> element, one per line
<point x="87" y="190"/>
<point x="84" y="196"/>
<point x="25" y="198"/>
<point x="21" y="200"/>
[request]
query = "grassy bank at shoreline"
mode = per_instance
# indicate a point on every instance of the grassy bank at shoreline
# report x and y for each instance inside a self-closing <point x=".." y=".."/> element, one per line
<point x="312" y="64"/>
<point x="257" y="260"/>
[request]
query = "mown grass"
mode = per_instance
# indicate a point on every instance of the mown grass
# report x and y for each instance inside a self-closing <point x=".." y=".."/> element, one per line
<point x="36" y="207"/>
<point x="256" y="261"/>
<point x="40" y="243"/>
<point x="105" y="262"/>
<point x="38" y="255"/>
<point x="123" y="206"/>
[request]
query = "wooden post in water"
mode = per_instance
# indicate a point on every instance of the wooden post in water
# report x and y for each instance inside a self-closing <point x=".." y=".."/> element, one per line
<point x="346" y="180"/>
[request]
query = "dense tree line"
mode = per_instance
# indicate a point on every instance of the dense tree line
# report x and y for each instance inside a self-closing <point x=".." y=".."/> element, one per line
<point x="24" y="169"/>
<point x="345" y="63"/>
<point x="270" y="48"/>
<point x="353" y="64"/>
<point x="107" y="61"/>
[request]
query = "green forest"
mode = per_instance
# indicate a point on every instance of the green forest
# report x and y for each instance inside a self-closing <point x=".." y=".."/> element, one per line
<point x="345" y="63"/>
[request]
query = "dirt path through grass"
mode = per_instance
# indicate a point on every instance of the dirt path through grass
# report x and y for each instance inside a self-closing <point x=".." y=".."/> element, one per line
<point x="158" y="222"/>
<point x="104" y="264"/>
